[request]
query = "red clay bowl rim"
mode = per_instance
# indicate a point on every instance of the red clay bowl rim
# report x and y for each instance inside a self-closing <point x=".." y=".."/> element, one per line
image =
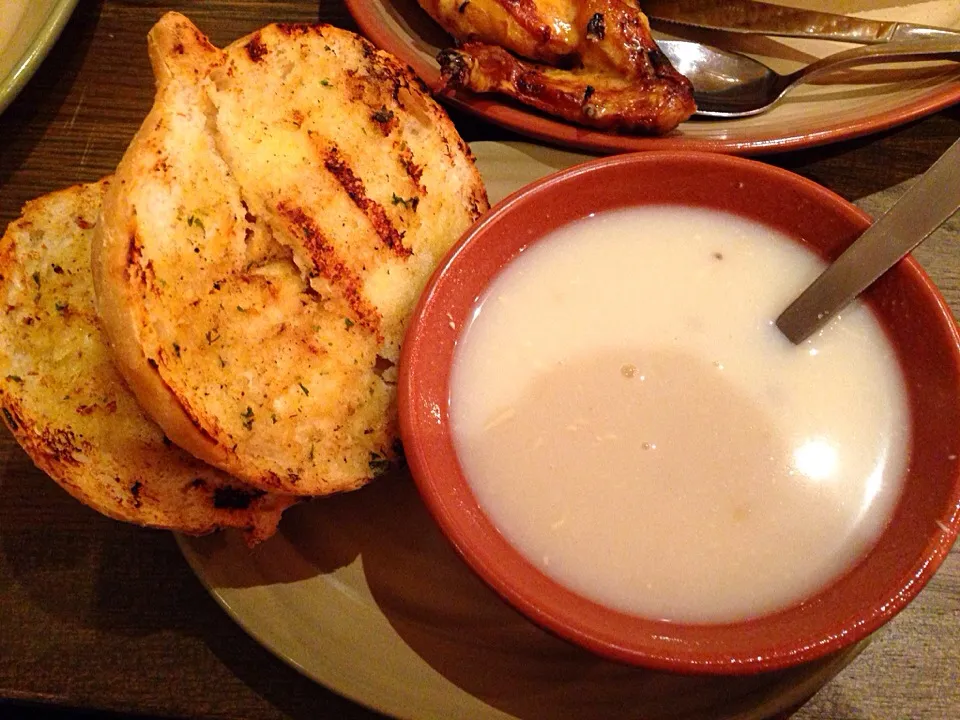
<point x="452" y="509"/>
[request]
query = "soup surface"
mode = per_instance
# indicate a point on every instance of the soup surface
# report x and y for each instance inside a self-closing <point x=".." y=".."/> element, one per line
<point x="633" y="422"/>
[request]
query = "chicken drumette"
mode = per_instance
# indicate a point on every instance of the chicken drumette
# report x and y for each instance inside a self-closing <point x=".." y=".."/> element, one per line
<point x="600" y="65"/>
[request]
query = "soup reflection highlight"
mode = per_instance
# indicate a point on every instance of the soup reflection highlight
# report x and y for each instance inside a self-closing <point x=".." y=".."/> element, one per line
<point x="632" y="421"/>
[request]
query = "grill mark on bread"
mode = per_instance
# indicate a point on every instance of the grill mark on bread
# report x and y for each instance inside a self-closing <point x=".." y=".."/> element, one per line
<point x="56" y="444"/>
<point x="60" y="445"/>
<point x="413" y="170"/>
<point x="134" y="252"/>
<point x="329" y="264"/>
<point x="11" y="415"/>
<point x="256" y="48"/>
<point x="135" y="490"/>
<point x="138" y="272"/>
<point x="385" y="120"/>
<point x="299" y="29"/>
<point x="335" y="163"/>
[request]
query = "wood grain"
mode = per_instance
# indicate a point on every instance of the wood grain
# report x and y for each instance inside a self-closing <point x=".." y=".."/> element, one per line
<point x="99" y="615"/>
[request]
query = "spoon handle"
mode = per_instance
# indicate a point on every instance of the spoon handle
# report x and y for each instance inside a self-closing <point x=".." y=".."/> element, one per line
<point x="934" y="48"/>
<point x="924" y="207"/>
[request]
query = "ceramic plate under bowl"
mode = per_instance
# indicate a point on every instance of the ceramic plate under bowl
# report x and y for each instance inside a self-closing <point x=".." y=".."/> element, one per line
<point x="30" y="40"/>
<point x="363" y="594"/>
<point x="811" y="115"/>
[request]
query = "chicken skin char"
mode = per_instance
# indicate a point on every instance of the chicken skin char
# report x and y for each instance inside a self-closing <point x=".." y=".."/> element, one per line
<point x="601" y="66"/>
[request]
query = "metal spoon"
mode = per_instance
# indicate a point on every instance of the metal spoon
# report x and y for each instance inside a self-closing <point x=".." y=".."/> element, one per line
<point x="729" y="85"/>
<point x="928" y="204"/>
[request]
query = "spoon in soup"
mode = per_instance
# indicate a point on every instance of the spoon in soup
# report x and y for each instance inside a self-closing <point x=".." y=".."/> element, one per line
<point x="929" y="203"/>
<point x="731" y="85"/>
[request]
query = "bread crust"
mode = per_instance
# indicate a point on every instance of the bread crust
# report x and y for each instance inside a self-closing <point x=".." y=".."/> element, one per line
<point x="270" y="228"/>
<point x="67" y="406"/>
<point x="176" y="49"/>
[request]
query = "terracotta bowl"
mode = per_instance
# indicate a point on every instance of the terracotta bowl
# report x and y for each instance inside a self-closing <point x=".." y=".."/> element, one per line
<point x="918" y="321"/>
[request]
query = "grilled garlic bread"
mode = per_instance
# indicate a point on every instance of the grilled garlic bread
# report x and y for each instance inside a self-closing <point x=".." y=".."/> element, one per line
<point x="65" y="403"/>
<point x="269" y="231"/>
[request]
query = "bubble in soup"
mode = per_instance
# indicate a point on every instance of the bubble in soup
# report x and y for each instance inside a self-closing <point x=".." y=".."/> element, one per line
<point x="633" y="422"/>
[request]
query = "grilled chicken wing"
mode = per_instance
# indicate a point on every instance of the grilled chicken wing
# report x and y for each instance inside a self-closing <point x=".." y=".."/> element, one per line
<point x="587" y="97"/>
<point x="536" y="29"/>
<point x="608" y="71"/>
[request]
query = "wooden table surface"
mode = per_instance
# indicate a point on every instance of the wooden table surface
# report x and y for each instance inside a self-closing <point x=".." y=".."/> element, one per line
<point x="103" y="616"/>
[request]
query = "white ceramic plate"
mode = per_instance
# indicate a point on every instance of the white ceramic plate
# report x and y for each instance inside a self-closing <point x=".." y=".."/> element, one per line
<point x="811" y="115"/>
<point x="29" y="41"/>
<point x="361" y="593"/>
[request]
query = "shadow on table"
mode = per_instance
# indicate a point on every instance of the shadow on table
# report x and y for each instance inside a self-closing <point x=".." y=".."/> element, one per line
<point x="51" y="548"/>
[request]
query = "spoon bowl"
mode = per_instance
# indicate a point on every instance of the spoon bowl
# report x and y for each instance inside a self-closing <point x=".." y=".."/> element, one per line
<point x="730" y="85"/>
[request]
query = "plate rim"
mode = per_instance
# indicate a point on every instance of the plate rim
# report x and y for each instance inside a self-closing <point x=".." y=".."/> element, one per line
<point x="43" y="41"/>
<point x="553" y="131"/>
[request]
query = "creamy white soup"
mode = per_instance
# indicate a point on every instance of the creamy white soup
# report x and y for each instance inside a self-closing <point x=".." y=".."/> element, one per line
<point x="633" y="422"/>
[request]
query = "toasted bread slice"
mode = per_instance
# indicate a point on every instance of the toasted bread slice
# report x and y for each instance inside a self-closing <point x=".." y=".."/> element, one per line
<point x="66" y="404"/>
<point x="353" y="165"/>
<point x="269" y="231"/>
